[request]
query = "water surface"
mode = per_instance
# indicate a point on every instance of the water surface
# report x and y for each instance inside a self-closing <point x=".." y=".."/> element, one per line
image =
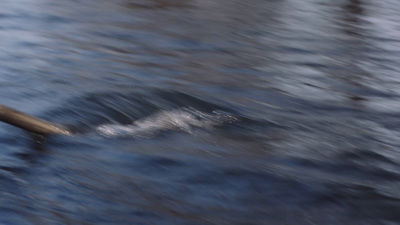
<point x="202" y="112"/>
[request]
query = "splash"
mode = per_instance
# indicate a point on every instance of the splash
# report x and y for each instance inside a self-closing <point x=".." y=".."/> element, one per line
<point x="185" y="120"/>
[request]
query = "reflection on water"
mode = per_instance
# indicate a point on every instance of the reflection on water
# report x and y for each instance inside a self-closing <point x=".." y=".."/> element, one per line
<point x="202" y="112"/>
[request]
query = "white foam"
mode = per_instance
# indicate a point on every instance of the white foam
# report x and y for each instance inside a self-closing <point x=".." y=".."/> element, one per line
<point x="180" y="119"/>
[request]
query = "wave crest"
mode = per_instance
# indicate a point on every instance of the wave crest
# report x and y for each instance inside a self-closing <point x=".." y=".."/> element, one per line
<point x="185" y="119"/>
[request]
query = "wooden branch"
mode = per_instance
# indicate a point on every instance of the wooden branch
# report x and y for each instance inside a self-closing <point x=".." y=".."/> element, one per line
<point x="30" y="123"/>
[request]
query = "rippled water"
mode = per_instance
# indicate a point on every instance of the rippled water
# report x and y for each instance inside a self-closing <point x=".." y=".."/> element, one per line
<point x="202" y="112"/>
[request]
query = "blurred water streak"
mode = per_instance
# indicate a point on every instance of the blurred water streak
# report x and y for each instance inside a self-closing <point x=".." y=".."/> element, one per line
<point x="202" y="111"/>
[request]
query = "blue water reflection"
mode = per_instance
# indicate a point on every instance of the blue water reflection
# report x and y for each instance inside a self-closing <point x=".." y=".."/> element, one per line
<point x="201" y="112"/>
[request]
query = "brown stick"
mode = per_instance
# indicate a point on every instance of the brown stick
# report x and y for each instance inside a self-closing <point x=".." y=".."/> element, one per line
<point x="30" y="123"/>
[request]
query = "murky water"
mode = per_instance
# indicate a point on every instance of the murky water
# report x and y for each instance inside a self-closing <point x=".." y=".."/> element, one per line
<point x="202" y="112"/>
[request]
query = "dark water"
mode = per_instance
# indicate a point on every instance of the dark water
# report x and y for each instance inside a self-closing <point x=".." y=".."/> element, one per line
<point x="202" y="112"/>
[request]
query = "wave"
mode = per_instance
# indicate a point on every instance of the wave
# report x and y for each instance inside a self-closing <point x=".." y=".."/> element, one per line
<point x="183" y="119"/>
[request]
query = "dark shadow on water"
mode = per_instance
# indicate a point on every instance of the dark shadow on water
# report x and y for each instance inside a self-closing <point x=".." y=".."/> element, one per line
<point x="353" y="11"/>
<point x="352" y="51"/>
<point x="158" y="4"/>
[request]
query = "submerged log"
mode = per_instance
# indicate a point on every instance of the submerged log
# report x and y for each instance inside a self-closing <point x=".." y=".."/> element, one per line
<point x="30" y="123"/>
